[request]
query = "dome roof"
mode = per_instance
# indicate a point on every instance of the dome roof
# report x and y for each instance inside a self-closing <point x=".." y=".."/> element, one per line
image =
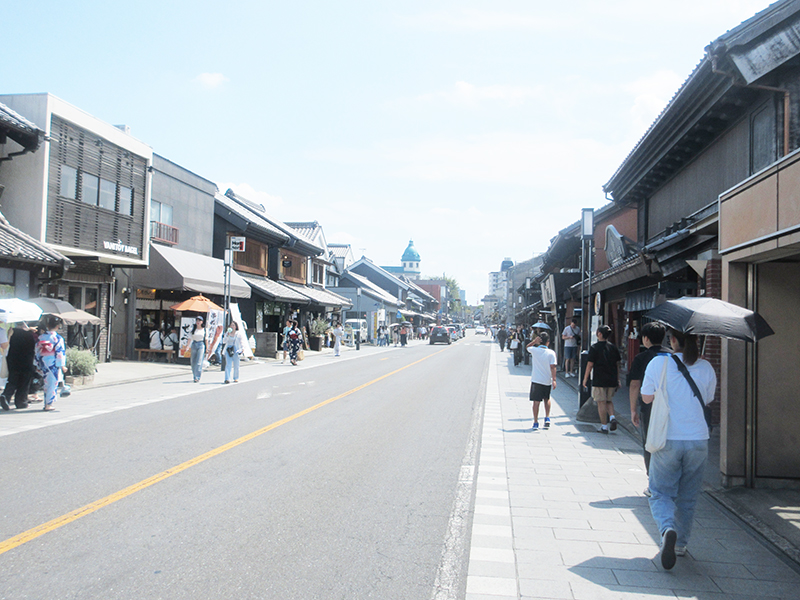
<point x="411" y="253"/>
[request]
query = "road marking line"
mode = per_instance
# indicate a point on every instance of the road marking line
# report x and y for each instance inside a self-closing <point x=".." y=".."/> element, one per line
<point x="35" y="532"/>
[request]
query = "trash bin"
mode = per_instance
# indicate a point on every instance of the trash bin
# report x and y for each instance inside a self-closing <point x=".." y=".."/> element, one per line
<point x="584" y="392"/>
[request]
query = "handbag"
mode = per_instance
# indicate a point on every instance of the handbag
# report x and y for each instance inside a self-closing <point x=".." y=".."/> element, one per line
<point x="659" y="416"/>
<point x="706" y="408"/>
<point x="514" y="344"/>
<point x="301" y="355"/>
<point x="230" y="350"/>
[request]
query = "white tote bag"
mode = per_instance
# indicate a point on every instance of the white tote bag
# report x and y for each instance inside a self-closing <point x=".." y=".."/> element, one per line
<point x="659" y="416"/>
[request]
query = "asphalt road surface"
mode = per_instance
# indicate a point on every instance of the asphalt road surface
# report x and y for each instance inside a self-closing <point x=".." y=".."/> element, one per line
<point x="334" y="482"/>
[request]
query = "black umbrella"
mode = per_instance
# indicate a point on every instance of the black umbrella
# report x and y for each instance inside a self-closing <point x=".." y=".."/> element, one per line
<point x="709" y="316"/>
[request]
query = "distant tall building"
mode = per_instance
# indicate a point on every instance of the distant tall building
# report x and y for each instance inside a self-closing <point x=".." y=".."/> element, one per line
<point x="410" y="263"/>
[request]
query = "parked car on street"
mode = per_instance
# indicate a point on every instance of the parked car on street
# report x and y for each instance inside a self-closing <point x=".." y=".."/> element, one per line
<point x="439" y="334"/>
<point x="452" y="330"/>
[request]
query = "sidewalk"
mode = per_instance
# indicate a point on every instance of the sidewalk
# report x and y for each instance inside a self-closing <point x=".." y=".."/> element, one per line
<point x="560" y="514"/>
<point x="119" y="372"/>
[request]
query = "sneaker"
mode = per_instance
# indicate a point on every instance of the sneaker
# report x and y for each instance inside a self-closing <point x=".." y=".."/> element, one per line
<point x="612" y="424"/>
<point x="646" y="492"/>
<point x="4" y="403"/>
<point x="547" y="422"/>
<point x="535" y="426"/>
<point x="668" y="548"/>
<point x="603" y="429"/>
<point x="680" y="550"/>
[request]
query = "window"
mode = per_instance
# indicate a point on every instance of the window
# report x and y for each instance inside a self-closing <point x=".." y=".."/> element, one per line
<point x="162" y="213"/>
<point x="69" y="182"/>
<point x="90" y="186"/>
<point x="318" y="275"/>
<point x="125" y="200"/>
<point x="293" y="267"/>
<point x="763" y="151"/>
<point x="253" y="259"/>
<point x="108" y="194"/>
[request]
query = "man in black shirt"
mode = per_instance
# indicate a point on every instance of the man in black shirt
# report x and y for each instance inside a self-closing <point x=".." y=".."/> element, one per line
<point x="652" y="337"/>
<point x="602" y="363"/>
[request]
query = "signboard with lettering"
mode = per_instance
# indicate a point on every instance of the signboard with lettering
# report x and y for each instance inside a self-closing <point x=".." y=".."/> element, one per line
<point x="238" y="243"/>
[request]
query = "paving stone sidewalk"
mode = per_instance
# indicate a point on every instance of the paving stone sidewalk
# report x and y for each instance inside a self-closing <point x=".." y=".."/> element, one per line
<point x="560" y="514"/>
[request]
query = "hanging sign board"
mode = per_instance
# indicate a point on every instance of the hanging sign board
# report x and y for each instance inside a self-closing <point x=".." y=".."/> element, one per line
<point x="238" y="243"/>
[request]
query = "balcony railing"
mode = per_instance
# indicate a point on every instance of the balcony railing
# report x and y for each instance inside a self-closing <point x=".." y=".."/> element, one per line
<point x="161" y="232"/>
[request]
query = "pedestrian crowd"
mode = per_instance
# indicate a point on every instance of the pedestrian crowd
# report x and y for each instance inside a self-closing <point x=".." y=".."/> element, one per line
<point x="34" y="358"/>
<point x="668" y="369"/>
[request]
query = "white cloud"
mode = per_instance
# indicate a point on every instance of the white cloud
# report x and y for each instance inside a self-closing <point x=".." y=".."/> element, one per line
<point x="469" y="95"/>
<point x="650" y="95"/>
<point x="475" y="20"/>
<point x="211" y="81"/>
<point x="270" y="203"/>
<point x="501" y="157"/>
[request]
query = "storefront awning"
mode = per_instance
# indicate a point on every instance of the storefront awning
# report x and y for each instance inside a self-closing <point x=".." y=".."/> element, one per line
<point x="173" y="269"/>
<point x="274" y="290"/>
<point x="641" y="300"/>
<point x="320" y="296"/>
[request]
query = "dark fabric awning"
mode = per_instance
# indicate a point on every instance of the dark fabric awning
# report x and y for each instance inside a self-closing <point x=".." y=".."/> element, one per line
<point x="641" y="300"/>
<point x="173" y="269"/>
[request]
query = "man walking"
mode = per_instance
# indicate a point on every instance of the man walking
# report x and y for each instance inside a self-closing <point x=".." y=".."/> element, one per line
<point x="502" y="335"/>
<point x="652" y="337"/>
<point x="603" y="364"/>
<point x="543" y="377"/>
<point x="571" y="336"/>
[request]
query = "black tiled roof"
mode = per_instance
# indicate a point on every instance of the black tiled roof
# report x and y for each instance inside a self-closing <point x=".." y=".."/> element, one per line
<point x="19" y="129"/>
<point x="18" y="246"/>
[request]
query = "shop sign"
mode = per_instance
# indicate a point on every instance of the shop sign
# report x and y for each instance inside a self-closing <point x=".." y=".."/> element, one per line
<point x="238" y="243"/>
<point x="118" y="246"/>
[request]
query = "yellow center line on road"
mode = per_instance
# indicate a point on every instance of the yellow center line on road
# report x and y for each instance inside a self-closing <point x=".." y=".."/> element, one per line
<point x="39" y="530"/>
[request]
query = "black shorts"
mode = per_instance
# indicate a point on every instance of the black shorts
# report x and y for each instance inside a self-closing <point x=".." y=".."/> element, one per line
<point x="539" y="392"/>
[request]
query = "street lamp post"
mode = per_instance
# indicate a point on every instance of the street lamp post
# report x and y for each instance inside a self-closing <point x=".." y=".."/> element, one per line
<point x="587" y="241"/>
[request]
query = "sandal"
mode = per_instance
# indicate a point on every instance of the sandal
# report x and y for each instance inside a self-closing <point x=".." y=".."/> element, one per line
<point x="48" y="408"/>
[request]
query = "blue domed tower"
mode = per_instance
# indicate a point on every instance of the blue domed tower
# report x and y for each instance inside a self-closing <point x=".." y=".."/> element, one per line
<point x="411" y="261"/>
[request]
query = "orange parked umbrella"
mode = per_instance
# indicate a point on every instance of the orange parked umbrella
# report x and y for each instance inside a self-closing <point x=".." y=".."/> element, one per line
<point x="196" y="304"/>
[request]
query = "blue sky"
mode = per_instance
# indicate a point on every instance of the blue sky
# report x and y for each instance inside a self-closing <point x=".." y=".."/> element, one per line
<point x="479" y="129"/>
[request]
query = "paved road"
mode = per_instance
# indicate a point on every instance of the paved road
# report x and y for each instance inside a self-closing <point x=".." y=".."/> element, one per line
<point x="331" y="490"/>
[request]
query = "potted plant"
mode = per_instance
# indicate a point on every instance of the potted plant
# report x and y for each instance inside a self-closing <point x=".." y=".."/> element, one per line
<point x="80" y="366"/>
<point x="318" y="329"/>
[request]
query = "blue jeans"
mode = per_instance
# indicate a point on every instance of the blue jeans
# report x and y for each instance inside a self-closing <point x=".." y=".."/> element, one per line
<point x="198" y="356"/>
<point x="676" y="477"/>
<point x="231" y="364"/>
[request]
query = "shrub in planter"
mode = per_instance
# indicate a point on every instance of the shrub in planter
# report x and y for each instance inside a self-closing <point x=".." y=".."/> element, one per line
<point x="80" y="363"/>
<point x="319" y="327"/>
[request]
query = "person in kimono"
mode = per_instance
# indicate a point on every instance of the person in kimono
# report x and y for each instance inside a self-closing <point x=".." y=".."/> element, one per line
<point x="51" y="359"/>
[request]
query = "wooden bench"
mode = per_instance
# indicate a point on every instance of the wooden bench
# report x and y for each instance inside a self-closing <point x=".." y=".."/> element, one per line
<point x="169" y="353"/>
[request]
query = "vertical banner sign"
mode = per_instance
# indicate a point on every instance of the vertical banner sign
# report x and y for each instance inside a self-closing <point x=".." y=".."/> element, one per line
<point x="236" y="315"/>
<point x="185" y="346"/>
<point x="214" y="330"/>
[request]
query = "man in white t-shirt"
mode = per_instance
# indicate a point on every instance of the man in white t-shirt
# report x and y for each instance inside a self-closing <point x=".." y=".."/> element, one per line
<point x="543" y="377"/>
<point x="570" y="335"/>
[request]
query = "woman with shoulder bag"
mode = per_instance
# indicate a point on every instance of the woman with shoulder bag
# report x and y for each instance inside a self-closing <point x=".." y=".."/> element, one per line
<point x="232" y="347"/>
<point x="677" y="469"/>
